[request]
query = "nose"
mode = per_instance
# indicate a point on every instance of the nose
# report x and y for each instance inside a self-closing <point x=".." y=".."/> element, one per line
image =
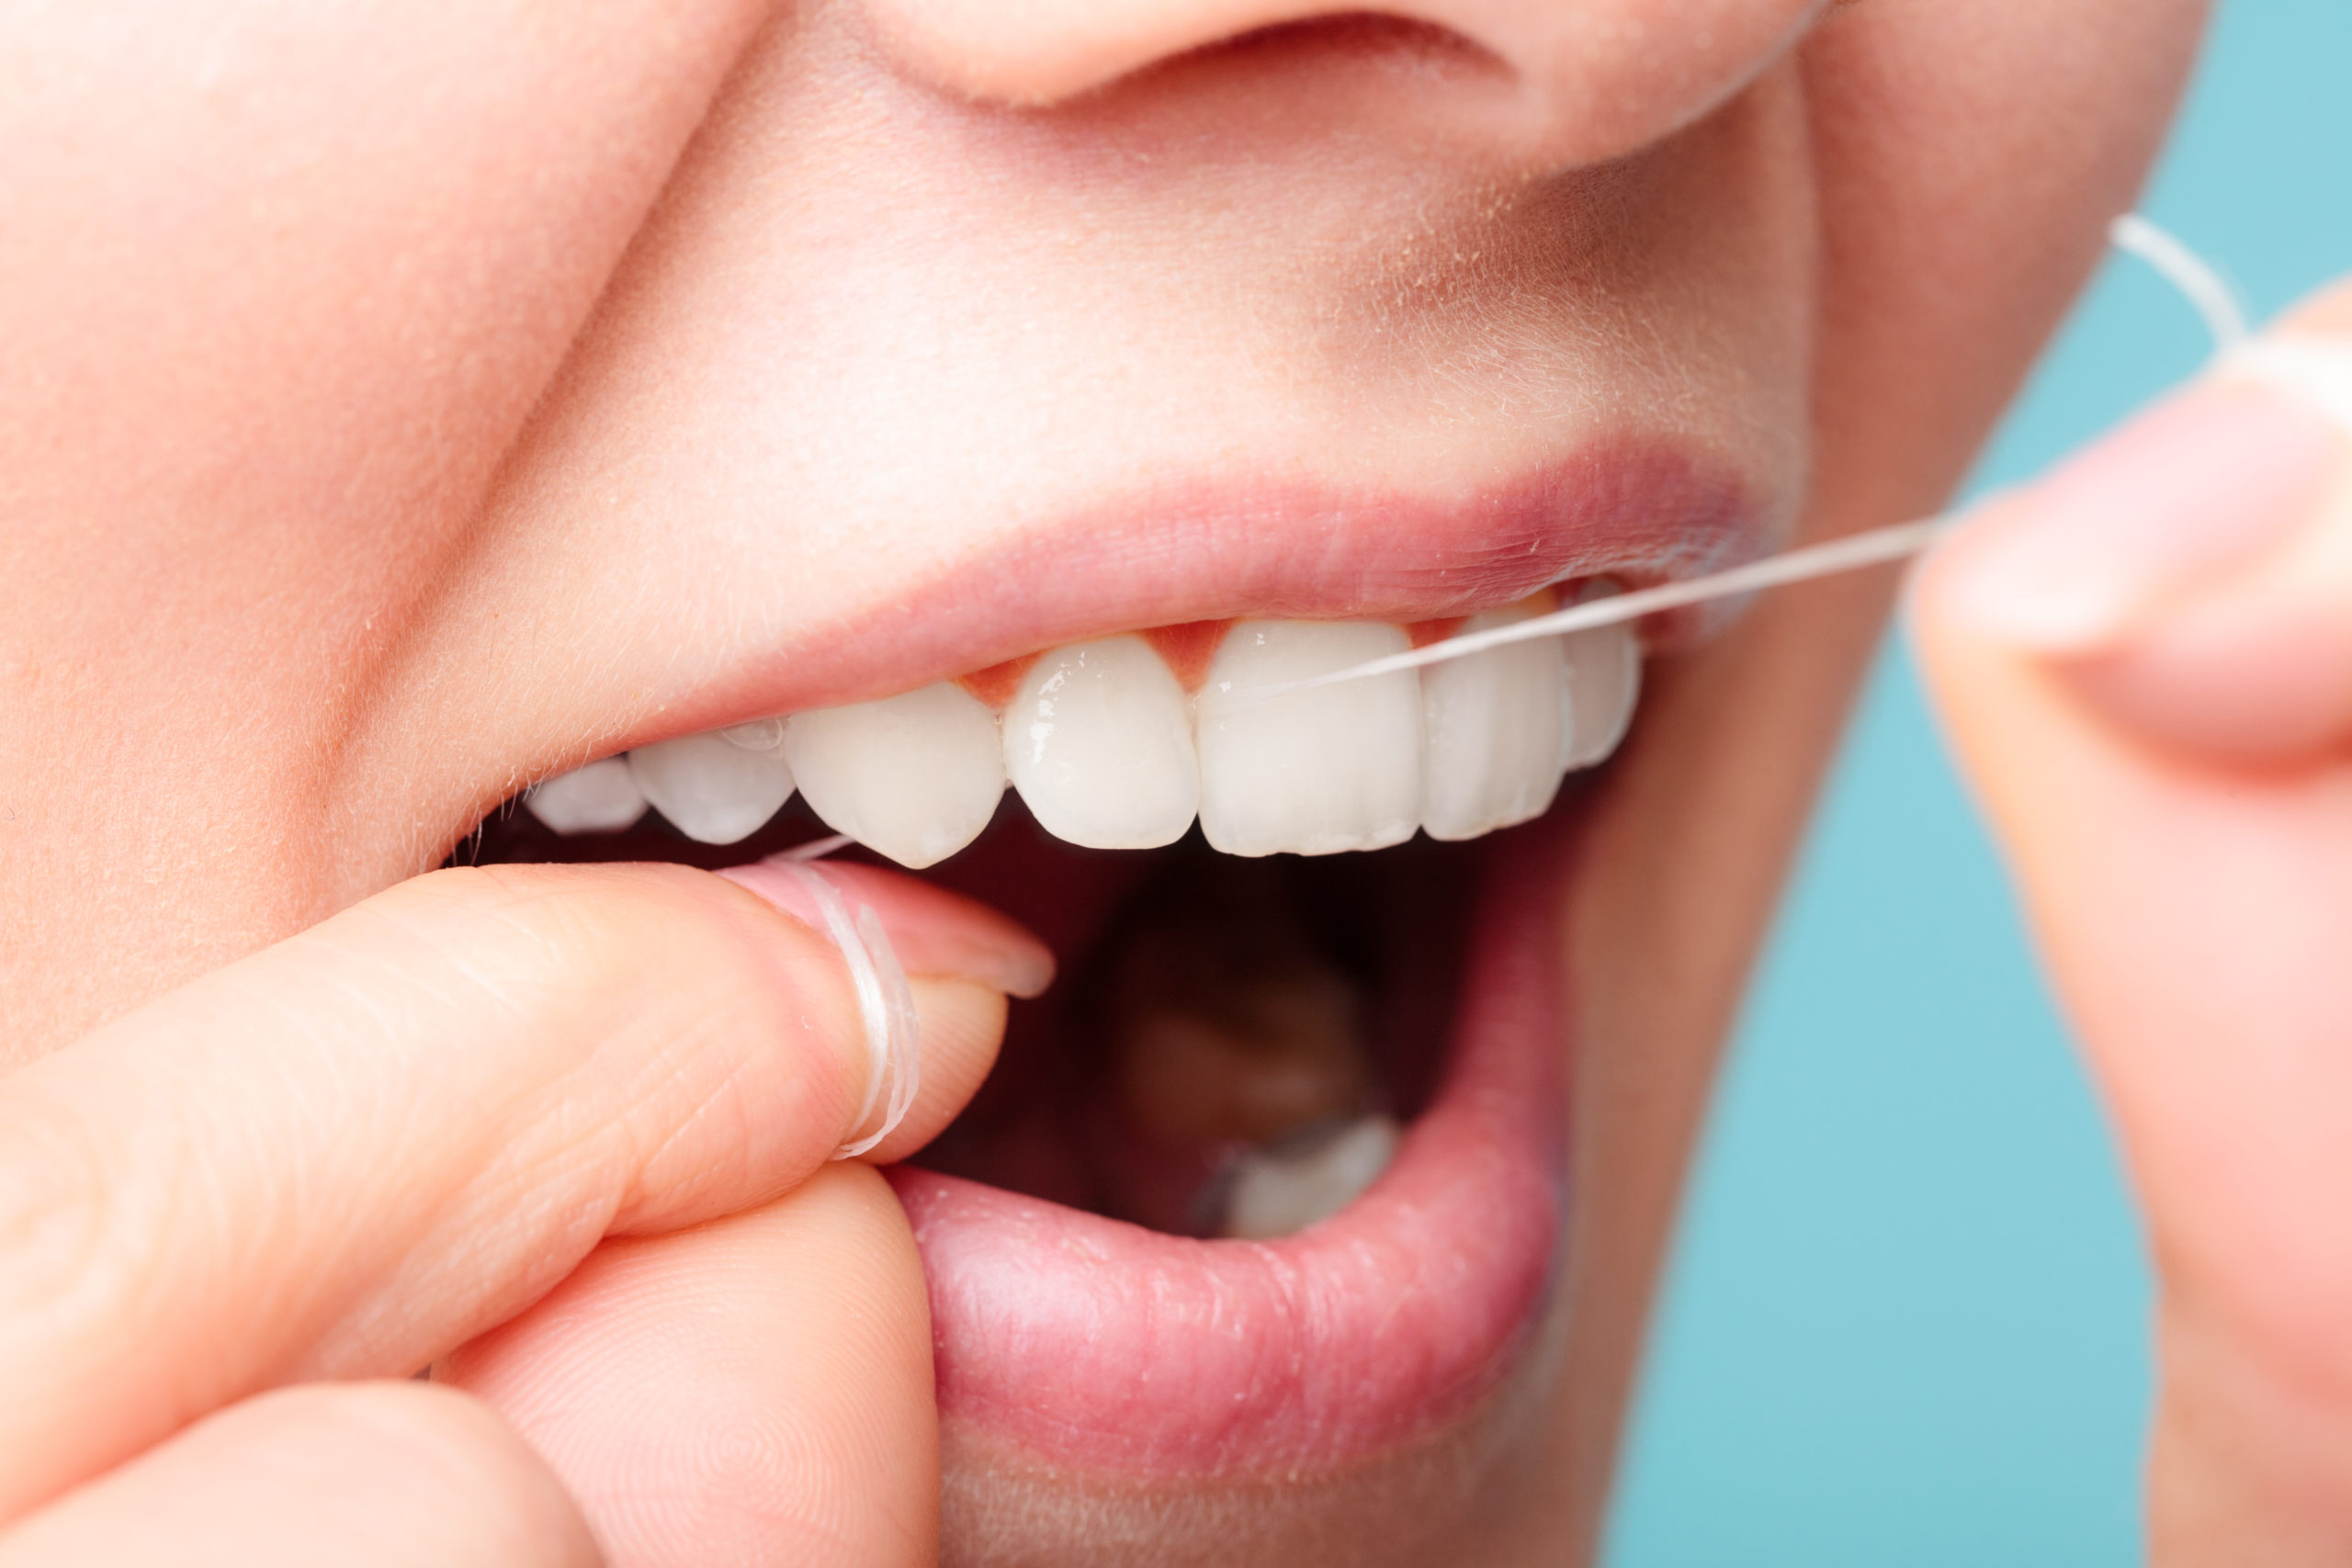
<point x="1562" y="81"/>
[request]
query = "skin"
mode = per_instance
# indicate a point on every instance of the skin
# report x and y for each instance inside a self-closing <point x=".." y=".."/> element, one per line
<point x="397" y="404"/>
<point x="2208" y="714"/>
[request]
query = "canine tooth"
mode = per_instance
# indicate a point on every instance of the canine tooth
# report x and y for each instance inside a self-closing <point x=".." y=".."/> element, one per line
<point x="1285" y="1188"/>
<point x="914" y="777"/>
<point x="602" y="797"/>
<point x="1311" y="773"/>
<point x="1099" y="745"/>
<point x="1495" y="733"/>
<point x="1604" y="684"/>
<point x="720" y="786"/>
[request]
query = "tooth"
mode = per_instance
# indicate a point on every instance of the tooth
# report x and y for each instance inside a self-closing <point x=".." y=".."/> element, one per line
<point x="1604" y="683"/>
<point x="1311" y="773"/>
<point x="1100" y="744"/>
<point x="602" y="797"/>
<point x="1495" y="729"/>
<point x="1279" y="1191"/>
<point x="720" y="786"/>
<point x="914" y="777"/>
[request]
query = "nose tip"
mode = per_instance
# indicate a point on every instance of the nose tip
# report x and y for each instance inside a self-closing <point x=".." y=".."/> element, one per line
<point x="1585" y="80"/>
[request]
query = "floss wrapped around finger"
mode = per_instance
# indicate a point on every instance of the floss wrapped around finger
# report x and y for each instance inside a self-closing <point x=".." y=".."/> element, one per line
<point x="886" y="1007"/>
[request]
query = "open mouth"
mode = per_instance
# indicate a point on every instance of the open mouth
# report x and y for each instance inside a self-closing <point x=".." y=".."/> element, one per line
<point x="1269" y="1179"/>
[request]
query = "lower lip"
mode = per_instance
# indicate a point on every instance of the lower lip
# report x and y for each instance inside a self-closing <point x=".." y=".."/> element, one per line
<point x="1102" y="1346"/>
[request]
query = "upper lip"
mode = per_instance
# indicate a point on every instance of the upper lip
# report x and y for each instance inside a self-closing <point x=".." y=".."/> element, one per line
<point x="1641" y="508"/>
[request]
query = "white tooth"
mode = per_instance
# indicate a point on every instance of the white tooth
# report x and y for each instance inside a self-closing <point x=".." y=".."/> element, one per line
<point x="720" y="786"/>
<point x="1277" y="1192"/>
<point x="602" y="797"/>
<point x="1311" y="773"/>
<point x="914" y="777"/>
<point x="1604" y="683"/>
<point x="1099" y="745"/>
<point x="1495" y="732"/>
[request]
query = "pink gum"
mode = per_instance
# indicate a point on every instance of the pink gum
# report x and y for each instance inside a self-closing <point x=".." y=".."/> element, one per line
<point x="1187" y="649"/>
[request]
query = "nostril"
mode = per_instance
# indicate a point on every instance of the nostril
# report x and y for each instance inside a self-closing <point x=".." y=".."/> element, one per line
<point x="1047" y="52"/>
<point x="1549" y="86"/>
<point x="1363" y="37"/>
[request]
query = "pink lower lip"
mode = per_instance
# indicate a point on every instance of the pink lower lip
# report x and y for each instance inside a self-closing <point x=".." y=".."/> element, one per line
<point x="1103" y="1345"/>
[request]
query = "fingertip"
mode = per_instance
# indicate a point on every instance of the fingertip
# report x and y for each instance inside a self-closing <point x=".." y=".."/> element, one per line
<point x="962" y="1029"/>
<point x="2186" y="581"/>
<point x="2096" y="554"/>
<point x="934" y="932"/>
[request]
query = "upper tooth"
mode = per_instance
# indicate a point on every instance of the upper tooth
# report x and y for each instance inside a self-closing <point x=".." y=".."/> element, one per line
<point x="1315" y="772"/>
<point x="602" y="797"/>
<point x="1276" y="1192"/>
<point x="1495" y="733"/>
<point x="1604" y="682"/>
<point x="914" y="777"/>
<point x="1099" y="745"/>
<point x="720" y="786"/>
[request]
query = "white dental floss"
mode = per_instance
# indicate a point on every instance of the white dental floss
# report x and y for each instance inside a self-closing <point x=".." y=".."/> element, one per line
<point x="885" y="1004"/>
<point x="816" y="848"/>
<point x="2324" y="377"/>
<point x="1832" y="556"/>
<point x="2188" y="272"/>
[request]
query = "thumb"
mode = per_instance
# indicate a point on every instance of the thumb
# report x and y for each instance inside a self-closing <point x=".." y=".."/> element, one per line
<point x="2145" y="666"/>
<point x="753" y="1391"/>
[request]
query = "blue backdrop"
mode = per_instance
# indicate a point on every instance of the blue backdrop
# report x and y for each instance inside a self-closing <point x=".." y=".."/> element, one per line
<point x="1907" y="1323"/>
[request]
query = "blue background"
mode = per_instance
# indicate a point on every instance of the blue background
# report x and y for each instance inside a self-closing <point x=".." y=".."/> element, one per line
<point x="1907" y="1322"/>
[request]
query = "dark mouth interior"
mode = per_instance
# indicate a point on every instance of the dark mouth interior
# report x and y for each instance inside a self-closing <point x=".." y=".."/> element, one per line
<point x="1207" y="1006"/>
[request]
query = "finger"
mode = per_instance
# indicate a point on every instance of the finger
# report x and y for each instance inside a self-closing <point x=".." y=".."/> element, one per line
<point x="986" y="954"/>
<point x="753" y="1391"/>
<point x="366" y="1475"/>
<point x="361" y="1148"/>
<point x="2146" y="667"/>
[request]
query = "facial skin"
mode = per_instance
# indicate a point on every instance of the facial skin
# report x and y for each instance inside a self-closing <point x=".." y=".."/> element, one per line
<point x="404" y="404"/>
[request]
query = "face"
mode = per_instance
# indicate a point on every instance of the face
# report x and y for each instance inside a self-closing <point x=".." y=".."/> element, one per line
<point x="410" y="404"/>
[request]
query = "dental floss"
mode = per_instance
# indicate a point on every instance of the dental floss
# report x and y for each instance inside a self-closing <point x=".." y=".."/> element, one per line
<point x="815" y="849"/>
<point x="2325" y="379"/>
<point x="2188" y="272"/>
<point x="1844" y="554"/>
<point x="885" y="1004"/>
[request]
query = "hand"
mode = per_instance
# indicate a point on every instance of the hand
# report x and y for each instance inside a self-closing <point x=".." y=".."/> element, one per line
<point x="352" y="1153"/>
<point x="2145" y="664"/>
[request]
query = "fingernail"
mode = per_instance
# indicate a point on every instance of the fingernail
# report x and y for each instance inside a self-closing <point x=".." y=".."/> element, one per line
<point x="934" y="932"/>
<point x="2213" y="477"/>
<point x="2306" y="367"/>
